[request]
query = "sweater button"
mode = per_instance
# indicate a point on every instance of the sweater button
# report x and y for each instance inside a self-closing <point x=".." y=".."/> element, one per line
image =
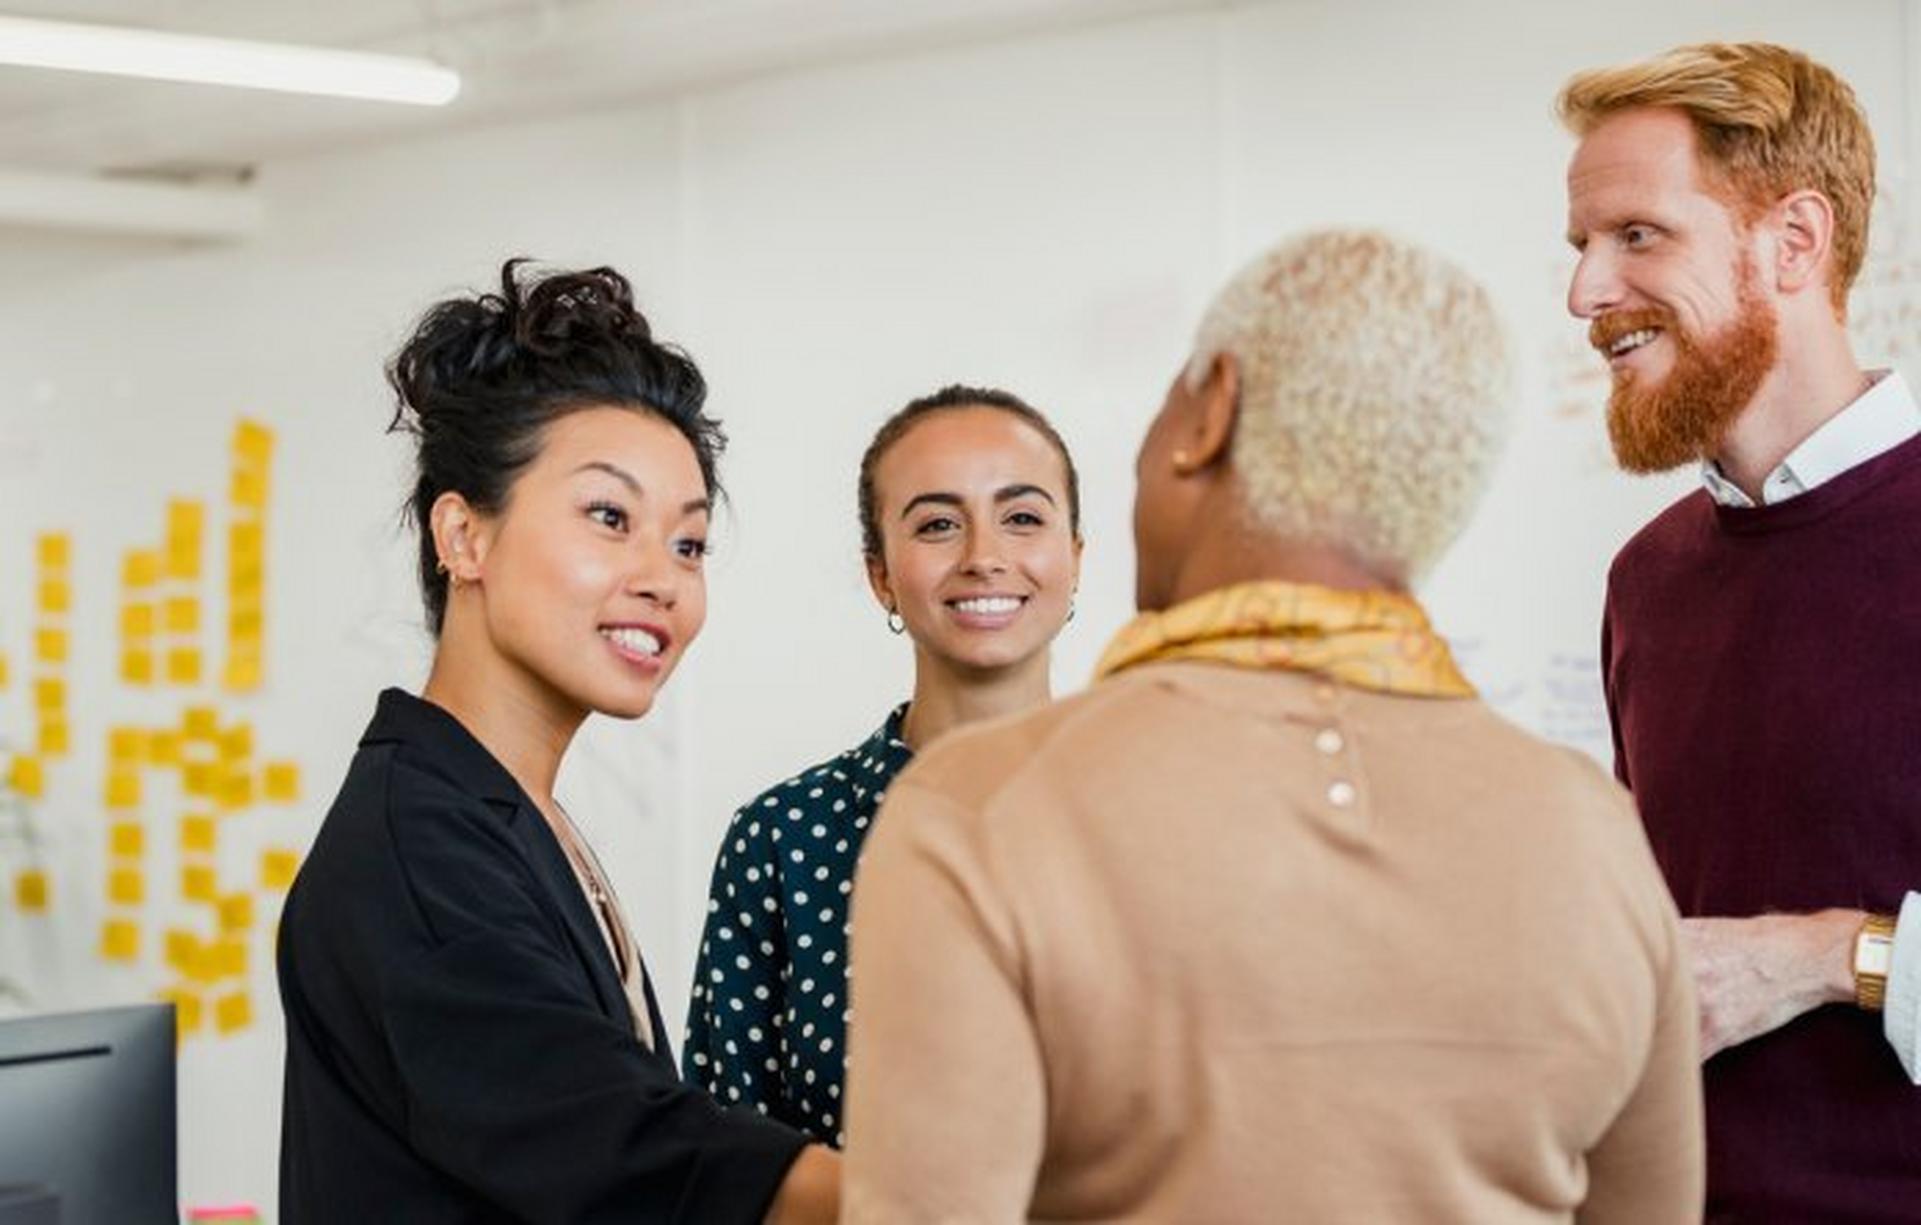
<point x="1329" y="740"/>
<point x="1341" y="793"/>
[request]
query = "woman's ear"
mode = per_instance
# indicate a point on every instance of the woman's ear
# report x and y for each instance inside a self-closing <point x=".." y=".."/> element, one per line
<point x="460" y="536"/>
<point x="1219" y="402"/>
<point x="879" y="584"/>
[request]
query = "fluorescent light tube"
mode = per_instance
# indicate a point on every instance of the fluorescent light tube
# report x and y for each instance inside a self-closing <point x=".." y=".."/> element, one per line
<point x="123" y="51"/>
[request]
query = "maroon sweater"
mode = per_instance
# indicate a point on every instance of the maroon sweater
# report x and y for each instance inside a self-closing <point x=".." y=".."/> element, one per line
<point x="1763" y="673"/>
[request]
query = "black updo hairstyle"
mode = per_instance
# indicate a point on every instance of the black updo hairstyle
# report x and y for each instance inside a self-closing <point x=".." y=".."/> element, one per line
<point x="483" y="375"/>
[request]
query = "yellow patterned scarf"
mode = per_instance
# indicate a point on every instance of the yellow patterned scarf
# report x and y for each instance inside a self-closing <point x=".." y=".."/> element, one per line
<point x="1377" y="640"/>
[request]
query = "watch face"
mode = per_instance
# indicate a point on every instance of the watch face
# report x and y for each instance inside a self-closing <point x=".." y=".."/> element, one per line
<point x="1874" y="956"/>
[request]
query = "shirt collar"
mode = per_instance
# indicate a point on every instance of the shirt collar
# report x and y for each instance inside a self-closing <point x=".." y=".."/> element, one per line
<point x="890" y="737"/>
<point x="1879" y="419"/>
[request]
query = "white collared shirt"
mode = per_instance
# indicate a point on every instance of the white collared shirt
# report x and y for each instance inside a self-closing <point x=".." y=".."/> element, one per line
<point x="1879" y="419"/>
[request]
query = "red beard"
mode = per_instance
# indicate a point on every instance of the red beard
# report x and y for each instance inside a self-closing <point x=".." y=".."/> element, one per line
<point x="1685" y="417"/>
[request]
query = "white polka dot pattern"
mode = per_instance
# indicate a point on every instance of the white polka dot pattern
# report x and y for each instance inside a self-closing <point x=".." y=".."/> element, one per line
<point x="767" y="1025"/>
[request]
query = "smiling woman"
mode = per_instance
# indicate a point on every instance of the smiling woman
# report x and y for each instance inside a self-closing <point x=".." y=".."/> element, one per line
<point x="471" y="1035"/>
<point x="970" y="522"/>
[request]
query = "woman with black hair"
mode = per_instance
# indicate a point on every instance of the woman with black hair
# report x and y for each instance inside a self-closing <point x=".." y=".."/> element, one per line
<point x="471" y="1034"/>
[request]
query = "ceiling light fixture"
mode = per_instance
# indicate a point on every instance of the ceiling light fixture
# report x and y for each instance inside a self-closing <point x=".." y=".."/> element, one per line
<point x="157" y="55"/>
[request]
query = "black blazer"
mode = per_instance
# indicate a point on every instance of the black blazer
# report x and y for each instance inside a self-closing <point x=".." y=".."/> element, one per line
<point x="459" y="1049"/>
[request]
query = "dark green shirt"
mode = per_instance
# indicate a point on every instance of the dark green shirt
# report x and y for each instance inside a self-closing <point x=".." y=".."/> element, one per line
<point x="767" y="1026"/>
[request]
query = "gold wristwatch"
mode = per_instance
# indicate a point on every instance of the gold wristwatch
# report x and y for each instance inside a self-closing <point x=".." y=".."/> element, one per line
<point x="1873" y="956"/>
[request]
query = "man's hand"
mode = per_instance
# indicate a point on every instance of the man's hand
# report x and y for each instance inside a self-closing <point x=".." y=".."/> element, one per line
<point x="1755" y="975"/>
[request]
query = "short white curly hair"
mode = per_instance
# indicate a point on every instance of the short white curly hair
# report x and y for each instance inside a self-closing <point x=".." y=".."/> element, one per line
<point x="1374" y="394"/>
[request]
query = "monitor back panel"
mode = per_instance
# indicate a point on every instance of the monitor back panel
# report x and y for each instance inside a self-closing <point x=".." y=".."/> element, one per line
<point x="87" y="1110"/>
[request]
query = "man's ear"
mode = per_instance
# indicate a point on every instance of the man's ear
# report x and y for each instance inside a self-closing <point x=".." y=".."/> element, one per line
<point x="1218" y="406"/>
<point x="461" y="537"/>
<point x="1804" y="241"/>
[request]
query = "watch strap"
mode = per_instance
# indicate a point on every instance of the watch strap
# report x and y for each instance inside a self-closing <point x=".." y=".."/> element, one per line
<point x="1873" y="949"/>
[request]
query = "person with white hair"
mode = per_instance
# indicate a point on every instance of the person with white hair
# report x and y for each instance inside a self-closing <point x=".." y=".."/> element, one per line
<point x="1278" y="921"/>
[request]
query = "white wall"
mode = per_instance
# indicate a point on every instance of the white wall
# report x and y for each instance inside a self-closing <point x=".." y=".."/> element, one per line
<point x="1049" y="214"/>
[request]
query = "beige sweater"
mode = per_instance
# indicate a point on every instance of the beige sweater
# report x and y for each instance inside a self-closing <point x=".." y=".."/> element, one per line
<point x="1204" y="944"/>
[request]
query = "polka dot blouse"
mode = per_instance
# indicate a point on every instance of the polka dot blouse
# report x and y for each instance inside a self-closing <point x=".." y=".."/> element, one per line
<point x="767" y="1027"/>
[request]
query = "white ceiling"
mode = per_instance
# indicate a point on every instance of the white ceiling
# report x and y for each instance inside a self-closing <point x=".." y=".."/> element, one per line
<point x="518" y="58"/>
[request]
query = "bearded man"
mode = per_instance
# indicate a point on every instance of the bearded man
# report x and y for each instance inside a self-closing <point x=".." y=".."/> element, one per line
<point x="1761" y="646"/>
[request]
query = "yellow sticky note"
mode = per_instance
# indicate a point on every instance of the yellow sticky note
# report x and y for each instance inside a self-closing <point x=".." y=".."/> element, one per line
<point x="187" y="1017"/>
<point x="119" y="940"/>
<point x="50" y="646"/>
<point x="253" y="442"/>
<point x="136" y="667"/>
<point x="127" y="839"/>
<point x="242" y="673"/>
<point x="236" y="790"/>
<point x="55" y="550"/>
<point x="28" y="776"/>
<point x="30" y="891"/>
<point x="54" y="738"/>
<point x="126" y="745"/>
<point x="249" y="488"/>
<point x="205" y="967"/>
<point x="55" y="596"/>
<point x="185" y="518"/>
<point x="236" y="913"/>
<point x="246" y="542"/>
<point x="200" y="779"/>
<point x="244" y="624"/>
<point x="281" y="782"/>
<point x="183" y="949"/>
<point x="200" y="722"/>
<point x="183" y="666"/>
<point x="136" y="620"/>
<point x="163" y="748"/>
<point x="197" y="833"/>
<point x="183" y="561"/>
<point x="229" y="957"/>
<point x="197" y="883"/>
<point x="49" y="694"/>
<point x="126" y="886"/>
<point x="233" y="1012"/>
<point x="236" y="743"/>
<point x="181" y="615"/>
<point x="277" y="869"/>
<point x="123" y="787"/>
<point x="140" y="569"/>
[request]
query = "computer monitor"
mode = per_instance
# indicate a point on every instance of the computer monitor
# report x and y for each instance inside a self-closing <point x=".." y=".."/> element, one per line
<point x="87" y="1111"/>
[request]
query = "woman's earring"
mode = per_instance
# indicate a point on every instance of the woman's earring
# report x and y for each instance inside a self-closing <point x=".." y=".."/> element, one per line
<point x="896" y="624"/>
<point x="1070" y="609"/>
